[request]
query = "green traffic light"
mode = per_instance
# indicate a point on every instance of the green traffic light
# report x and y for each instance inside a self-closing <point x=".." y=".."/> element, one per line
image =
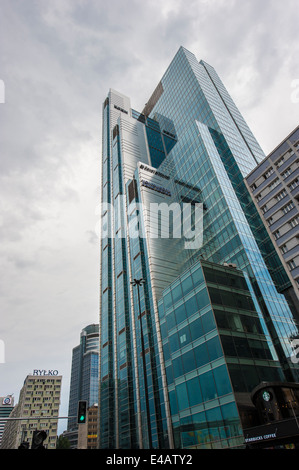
<point x="82" y="411"/>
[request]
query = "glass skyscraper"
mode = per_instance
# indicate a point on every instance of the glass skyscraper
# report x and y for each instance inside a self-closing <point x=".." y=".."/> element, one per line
<point x="84" y="377"/>
<point x="181" y="351"/>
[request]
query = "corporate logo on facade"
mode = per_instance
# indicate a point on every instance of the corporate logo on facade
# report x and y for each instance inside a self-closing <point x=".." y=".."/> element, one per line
<point x="154" y="187"/>
<point x="45" y="372"/>
<point x="7" y="401"/>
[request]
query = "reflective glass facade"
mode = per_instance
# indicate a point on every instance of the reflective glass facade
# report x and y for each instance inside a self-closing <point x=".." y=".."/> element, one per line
<point x="216" y="352"/>
<point x="180" y="353"/>
<point x="215" y="150"/>
<point x="85" y="372"/>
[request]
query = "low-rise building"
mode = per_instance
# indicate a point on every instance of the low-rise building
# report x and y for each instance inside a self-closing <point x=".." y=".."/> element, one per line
<point x="39" y="406"/>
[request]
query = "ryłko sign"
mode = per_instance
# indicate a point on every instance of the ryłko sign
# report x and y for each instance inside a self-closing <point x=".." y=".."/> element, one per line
<point x="45" y="372"/>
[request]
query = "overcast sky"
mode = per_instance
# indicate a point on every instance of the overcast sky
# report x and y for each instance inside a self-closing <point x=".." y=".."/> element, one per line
<point x="58" y="60"/>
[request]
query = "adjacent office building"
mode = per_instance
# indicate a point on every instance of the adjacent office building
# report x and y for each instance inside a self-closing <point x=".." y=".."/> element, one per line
<point x="38" y="404"/>
<point x="6" y="407"/>
<point x="87" y="432"/>
<point x="274" y="185"/>
<point x="191" y="319"/>
<point x="84" y="377"/>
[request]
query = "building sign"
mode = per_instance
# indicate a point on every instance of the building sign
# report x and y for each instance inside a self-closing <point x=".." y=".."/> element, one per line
<point x="45" y="372"/>
<point x="264" y="437"/>
<point x="154" y="171"/>
<point x="154" y="187"/>
<point x="7" y="401"/>
<point x="278" y="430"/>
<point x="120" y="109"/>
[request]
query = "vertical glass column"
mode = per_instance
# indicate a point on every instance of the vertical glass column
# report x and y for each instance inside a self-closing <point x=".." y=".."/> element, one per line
<point x="149" y="370"/>
<point x="106" y="358"/>
<point x="126" y="432"/>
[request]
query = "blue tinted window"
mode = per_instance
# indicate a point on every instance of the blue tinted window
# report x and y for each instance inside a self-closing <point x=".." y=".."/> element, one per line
<point x="161" y="310"/>
<point x="196" y="329"/>
<point x="184" y="336"/>
<point x="177" y="293"/>
<point x="169" y="143"/>
<point x="166" y="352"/>
<point x="194" y="392"/>
<point x="207" y="386"/>
<point x="174" y="344"/>
<point x="163" y="330"/>
<point x="199" y="418"/>
<point x="169" y="375"/>
<point x="189" y="361"/>
<point x="202" y="298"/>
<point x="231" y="419"/>
<point x="201" y="355"/>
<point x="177" y="365"/>
<point x="197" y="277"/>
<point x="182" y="396"/>
<point x="187" y="285"/>
<point x="222" y="381"/>
<point x="214" y="348"/>
<point x="180" y="313"/>
<point x="173" y="403"/>
<point x="191" y="306"/>
<point x="230" y="412"/>
<point x="170" y="320"/>
<point x="167" y="301"/>
<point x="214" y="416"/>
<point x="208" y="322"/>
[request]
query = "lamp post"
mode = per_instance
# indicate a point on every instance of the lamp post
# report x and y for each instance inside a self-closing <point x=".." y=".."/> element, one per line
<point x="139" y="283"/>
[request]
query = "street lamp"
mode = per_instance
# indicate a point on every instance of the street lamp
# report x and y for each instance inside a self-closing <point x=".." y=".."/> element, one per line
<point x="139" y="283"/>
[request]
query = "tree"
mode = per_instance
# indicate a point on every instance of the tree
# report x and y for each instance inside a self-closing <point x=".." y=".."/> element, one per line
<point x="63" y="442"/>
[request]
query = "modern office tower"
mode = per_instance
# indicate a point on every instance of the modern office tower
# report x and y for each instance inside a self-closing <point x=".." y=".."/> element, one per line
<point x="274" y="185"/>
<point x="84" y="377"/>
<point x="6" y="407"/>
<point x="39" y="403"/>
<point x="191" y="319"/>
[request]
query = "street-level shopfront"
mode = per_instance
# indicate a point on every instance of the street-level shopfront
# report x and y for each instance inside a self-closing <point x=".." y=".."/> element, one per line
<point x="277" y="405"/>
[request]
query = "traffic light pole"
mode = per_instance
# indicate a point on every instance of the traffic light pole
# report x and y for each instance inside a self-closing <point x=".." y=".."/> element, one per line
<point x="25" y="418"/>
